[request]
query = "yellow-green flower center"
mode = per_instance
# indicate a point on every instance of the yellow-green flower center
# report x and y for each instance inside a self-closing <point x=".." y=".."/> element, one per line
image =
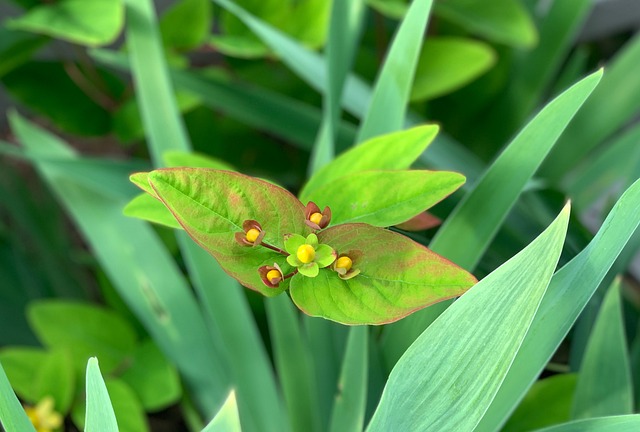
<point x="344" y="263"/>
<point x="316" y="218"/>
<point x="272" y="275"/>
<point x="306" y="253"/>
<point x="252" y="235"/>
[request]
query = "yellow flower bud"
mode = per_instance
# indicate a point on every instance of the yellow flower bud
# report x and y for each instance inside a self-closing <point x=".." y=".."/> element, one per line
<point x="316" y="218"/>
<point x="306" y="253"/>
<point x="273" y="274"/>
<point x="252" y="235"/>
<point x="344" y="263"/>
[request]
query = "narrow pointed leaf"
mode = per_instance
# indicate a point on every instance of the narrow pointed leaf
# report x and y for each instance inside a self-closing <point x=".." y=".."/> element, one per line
<point x="388" y="104"/>
<point x="604" y="383"/>
<point x="227" y="418"/>
<point x="397" y="277"/>
<point x="397" y="150"/>
<point x="569" y="291"/>
<point x="626" y="423"/>
<point x="12" y="415"/>
<point x="212" y="205"/>
<point x="148" y="208"/>
<point x="100" y="416"/>
<point x="448" y="377"/>
<point x="364" y="197"/>
<point x="351" y="398"/>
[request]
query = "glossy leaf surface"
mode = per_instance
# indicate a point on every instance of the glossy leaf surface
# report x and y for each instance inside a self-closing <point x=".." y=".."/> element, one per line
<point x="385" y="198"/>
<point x="212" y="206"/>
<point x="397" y="277"/>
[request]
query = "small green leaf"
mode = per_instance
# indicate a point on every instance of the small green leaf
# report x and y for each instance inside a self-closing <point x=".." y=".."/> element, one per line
<point x="309" y="270"/>
<point x="211" y="205"/>
<point x="325" y="255"/>
<point x="21" y="365"/>
<point x="394" y="151"/>
<point x="364" y="197"/>
<point x="448" y="63"/>
<point x="153" y="379"/>
<point x="186" y="24"/>
<point x="398" y="277"/>
<point x="293" y="242"/>
<point x="56" y="377"/>
<point x="86" y="22"/>
<point x="502" y="21"/>
<point x="141" y="180"/>
<point x="85" y="330"/>
<point x="148" y="208"/>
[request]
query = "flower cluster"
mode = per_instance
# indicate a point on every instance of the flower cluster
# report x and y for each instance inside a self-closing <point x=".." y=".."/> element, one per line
<point x="306" y="255"/>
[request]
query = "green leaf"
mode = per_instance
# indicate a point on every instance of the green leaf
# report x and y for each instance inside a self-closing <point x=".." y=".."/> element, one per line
<point x="21" y="365"/>
<point x="148" y="208"/>
<point x="394" y="151"/>
<point x="547" y="403"/>
<point x="294" y="365"/>
<point x="397" y="277"/>
<point x="136" y="262"/>
<point x="344" y="34"/>
<point x="604" y="383"/>
<point x="186" y="24"/>
<point x="42" y="85"/>
<point x="569" y="291"/>
<point x="351" y="398"/>
<point x="85" y="22"/>
<point x="627" y="423"/>
<point x="388" y="104"/>
<point x="226" y="419"/>
<point x="16" y="48"/>
<point x="212" y="205"/>
<point x="100" y="416"/>
<point x="602" y="115"/>
<point x="56" y="377"/>
<point x="129" y="412"/>
<point x="84" y="329"/>
<point x="448" y="63"/>
<point x="153" y="379"/>
<point x="502" y="21"/>
<point x="12" y="415"/>
<point x="451" y="373"/>
<point x="364" y="197"/>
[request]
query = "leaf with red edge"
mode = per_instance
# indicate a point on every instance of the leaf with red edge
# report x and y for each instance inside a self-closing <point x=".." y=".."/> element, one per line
<point x="397" y="277"/>
<point x="211" y="206"/>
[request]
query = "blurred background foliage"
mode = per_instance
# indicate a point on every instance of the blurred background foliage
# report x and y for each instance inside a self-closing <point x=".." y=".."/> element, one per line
<point x="484" y="69"/>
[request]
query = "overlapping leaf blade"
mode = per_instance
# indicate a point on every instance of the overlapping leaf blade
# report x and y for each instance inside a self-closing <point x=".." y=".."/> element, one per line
<point x="100" y="416"/>
<point x="448" y="377"/>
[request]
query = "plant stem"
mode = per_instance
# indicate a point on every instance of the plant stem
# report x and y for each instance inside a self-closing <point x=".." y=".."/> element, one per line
<point x="274" y="248"/>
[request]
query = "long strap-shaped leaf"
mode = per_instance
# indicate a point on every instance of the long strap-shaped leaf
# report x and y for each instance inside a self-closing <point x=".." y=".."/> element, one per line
<point x="260" y="408"/>
<point x="604" y="383"/>
<point x="448" y="377"/>
<point x="344" y="29"/>
<point x="12" y="415"/>
<point x="388" y="105"/>
<point x="626" y="423"/>
<point x="137" y="263"/>
<point x="468" y="231"/>
<point x="100" y="416"/>
<point x="569" y="291"/>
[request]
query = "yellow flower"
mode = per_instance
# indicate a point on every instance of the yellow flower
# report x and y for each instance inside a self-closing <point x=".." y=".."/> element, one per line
<point x="43" y="417"/>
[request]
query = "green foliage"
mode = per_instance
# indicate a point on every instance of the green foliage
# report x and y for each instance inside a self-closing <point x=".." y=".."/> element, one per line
<point x="87" y="22"/>
<point x="462" y="336"/>
<point x="225" y="93"/>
